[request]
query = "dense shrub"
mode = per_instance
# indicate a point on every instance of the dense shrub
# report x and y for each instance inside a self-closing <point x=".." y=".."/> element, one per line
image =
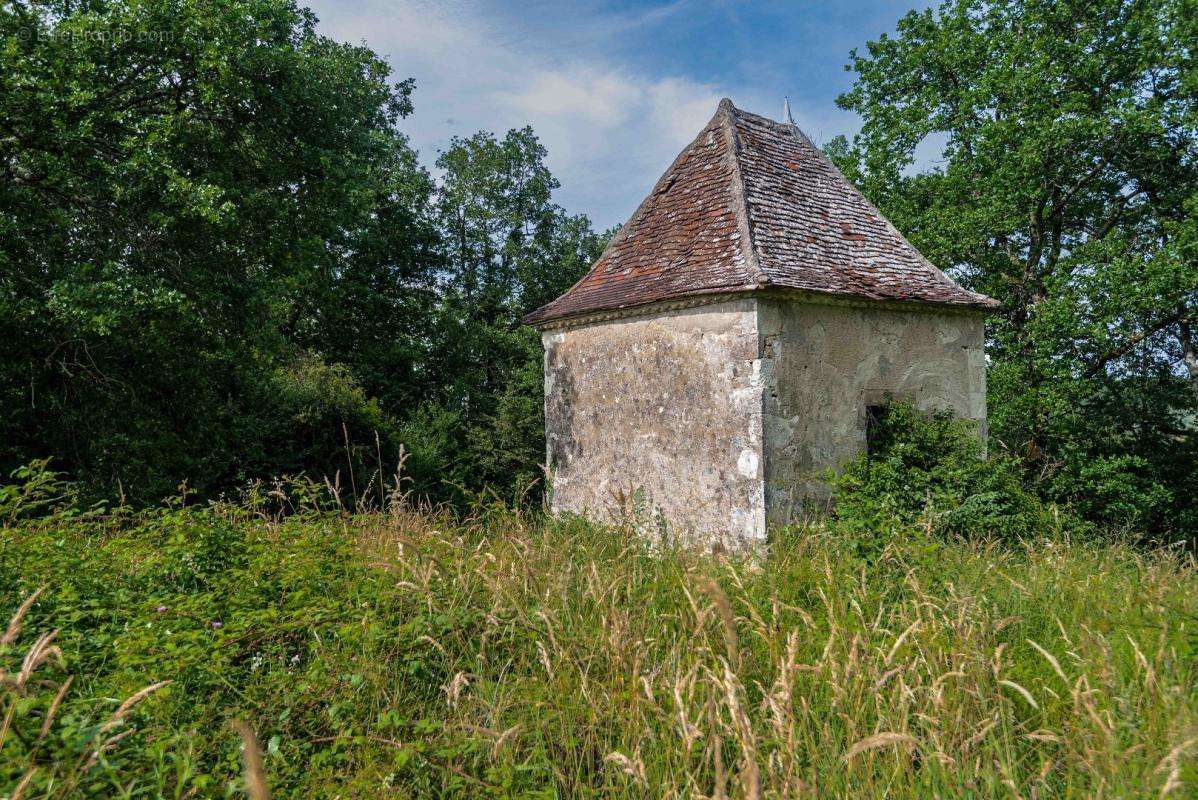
<point x="205" y="192"/>
<point x="221" y="260"/>
<point x="931" y="469"/>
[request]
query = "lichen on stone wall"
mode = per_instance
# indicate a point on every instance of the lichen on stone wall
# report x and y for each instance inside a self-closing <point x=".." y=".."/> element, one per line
<point x="668" y="405"/>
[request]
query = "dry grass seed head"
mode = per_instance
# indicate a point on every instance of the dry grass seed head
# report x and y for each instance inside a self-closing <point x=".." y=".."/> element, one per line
<point x="1149" y="672"/>
<point x="633" y="767"/>
<point x="723" y="608"/>
<point x="53" y="709"/>
<point x="1052" y="661"/>
<point x="878" y="740"/>
<point x="453" y="689"/>
<point x="743" y="730"/>
<point x="684" y="692"/>
<point x="14" y="625"/>
<point x="41" y="652"/>
<point x="899" y="641"/>
<point x="1022" y="692"/>
<point x="1172" y="762"/>
<point x="255" y="774"/>
<point x="503" y="739"/>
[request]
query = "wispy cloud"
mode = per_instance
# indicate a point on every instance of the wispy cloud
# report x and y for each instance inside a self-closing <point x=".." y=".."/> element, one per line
<point x="611" y="128"/>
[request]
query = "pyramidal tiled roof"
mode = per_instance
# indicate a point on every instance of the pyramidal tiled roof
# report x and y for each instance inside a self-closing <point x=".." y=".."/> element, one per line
<point x="752" y="204"/>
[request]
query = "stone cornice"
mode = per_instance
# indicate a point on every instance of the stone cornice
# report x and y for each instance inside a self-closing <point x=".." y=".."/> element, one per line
<point x="768" y="293"/>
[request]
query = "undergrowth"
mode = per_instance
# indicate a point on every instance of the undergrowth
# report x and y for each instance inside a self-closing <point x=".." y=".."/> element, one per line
<point x="409" y="653"/>
<point x="931" y="469"/>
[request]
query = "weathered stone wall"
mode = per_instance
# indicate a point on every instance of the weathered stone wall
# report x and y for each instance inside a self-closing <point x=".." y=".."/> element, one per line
<point x="726" y="416"/>
<point x="670" y="404"/>
<point x="823" y="364"/>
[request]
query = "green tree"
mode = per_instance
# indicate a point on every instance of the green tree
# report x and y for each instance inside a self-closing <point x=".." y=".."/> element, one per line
<point x="508" y="249"/>
<point x="196" y="201"/>
<point x="1067" y="188"/>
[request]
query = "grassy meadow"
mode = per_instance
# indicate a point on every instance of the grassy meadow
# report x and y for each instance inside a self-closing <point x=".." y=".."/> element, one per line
<point x="234" y="246"/>
<point x="413" y="653"/>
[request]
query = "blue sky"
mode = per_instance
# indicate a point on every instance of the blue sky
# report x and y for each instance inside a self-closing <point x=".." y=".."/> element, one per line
<point x="614" y="89"/>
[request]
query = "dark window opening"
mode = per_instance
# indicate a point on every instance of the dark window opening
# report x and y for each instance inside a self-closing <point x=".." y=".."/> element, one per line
<point x="875" y="418"/>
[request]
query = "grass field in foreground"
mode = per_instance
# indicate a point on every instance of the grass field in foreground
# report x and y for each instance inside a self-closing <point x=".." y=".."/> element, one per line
<point x="414" y="655"/>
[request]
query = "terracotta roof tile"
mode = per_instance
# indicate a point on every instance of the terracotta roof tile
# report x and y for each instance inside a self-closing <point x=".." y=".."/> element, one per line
<point x="752" y="204"/>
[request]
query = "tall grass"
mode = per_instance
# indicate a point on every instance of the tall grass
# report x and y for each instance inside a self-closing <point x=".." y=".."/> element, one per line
<point x="931" y="669"/>
<point x="30" y="700"/>
<point x="407" y="653"/>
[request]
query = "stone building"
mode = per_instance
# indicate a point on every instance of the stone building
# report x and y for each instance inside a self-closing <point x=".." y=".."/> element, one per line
<point x="733" y="340"/>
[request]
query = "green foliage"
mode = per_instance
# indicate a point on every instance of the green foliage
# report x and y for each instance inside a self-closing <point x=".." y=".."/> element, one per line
<point x="508" y="249"/>
<point x="188" y="191"/>
<point x="931" y="470"/>
<point x="325" y="418"/>
<point x="44" y="756"/>
<point x="1066" y="187"/>
<point x="407" y="655"/>
<point x="440" y="453"/>
<point x="221" y="261"/>
<point x="33" y="490"/>
<point x="478" y="442"/>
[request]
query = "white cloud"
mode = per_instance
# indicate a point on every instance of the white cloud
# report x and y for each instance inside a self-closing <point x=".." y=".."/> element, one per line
<point x="678" y="108"/>
<point x="603" y="99"/>
<point x="610" y="132"/>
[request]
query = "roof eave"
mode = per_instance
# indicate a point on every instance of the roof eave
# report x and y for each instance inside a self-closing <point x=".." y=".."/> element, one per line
<point x="542" y="322"/>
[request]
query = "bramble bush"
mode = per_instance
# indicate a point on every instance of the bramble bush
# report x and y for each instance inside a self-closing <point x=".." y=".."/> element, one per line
<point x="931" y="470"/>
<point x="414" y="653"/>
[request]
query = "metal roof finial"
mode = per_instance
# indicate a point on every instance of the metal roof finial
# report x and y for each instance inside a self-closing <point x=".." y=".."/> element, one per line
<point x="786" y="117"/>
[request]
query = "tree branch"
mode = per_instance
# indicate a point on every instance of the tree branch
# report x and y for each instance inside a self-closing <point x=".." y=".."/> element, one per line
<point x="1130" y="343"/>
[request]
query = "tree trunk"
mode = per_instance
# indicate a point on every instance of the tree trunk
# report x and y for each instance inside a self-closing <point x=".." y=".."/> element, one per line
<point x="1188" y="353"/>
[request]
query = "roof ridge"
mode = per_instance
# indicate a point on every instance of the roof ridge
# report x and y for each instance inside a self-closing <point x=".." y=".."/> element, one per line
<point x="773" y="122"/>
<point x="884" y="219"/>
<point x="740" y="197"/>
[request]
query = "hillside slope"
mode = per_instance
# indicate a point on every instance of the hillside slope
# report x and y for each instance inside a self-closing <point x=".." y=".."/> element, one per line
<point x="412" y="655"/>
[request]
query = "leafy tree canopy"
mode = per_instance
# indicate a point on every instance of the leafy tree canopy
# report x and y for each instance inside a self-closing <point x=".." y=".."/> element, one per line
<point x="221" y="260"/>
<point x="1067" y="188"/>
